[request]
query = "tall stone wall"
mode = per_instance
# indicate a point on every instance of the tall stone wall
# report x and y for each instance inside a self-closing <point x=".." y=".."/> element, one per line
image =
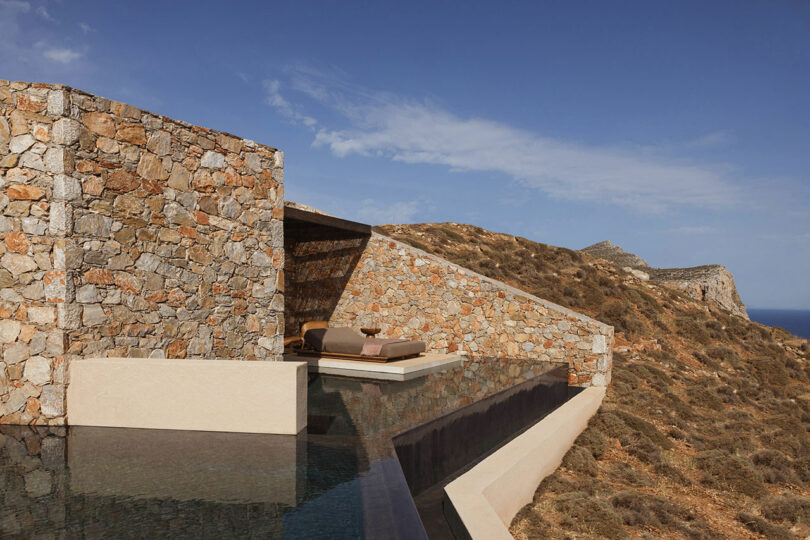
<point x="411" y="294"/>
<point x="125" y="233"/>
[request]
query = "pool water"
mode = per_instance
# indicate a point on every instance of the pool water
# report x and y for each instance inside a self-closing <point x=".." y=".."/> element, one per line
<point x="372" y="463"/>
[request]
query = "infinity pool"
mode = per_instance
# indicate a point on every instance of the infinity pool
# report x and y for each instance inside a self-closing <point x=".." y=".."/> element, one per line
<point x="372" y="463"/>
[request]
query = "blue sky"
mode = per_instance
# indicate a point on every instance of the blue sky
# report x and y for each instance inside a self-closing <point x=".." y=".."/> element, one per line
<point x="680" y="130"/>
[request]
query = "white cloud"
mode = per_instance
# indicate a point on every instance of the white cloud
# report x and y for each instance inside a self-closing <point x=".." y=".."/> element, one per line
<point x="43" y="12"/>
<point x="418" y="133"/>
<point x="86" y="28"/>
<point x="379" y="213"/>
<point x="63" y="56"/>
<point x="23" y="7"/>
<point x="383" y="124"/>
<point x="274" y="98"/>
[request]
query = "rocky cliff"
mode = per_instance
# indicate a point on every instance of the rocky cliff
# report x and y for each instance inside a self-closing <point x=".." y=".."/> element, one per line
<point x="705" y="283"/>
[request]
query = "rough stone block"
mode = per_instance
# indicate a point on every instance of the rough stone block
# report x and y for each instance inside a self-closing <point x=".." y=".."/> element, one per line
<point x="66" y="188"/>
<point x="38" y="370"/>
<point x="61" y="218"/>
<point x="52" y="400"/>
<point x="65" y="131"/>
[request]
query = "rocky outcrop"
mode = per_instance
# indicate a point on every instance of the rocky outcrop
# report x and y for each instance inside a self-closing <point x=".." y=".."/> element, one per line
<point x="705" y="283"/>
<point x="615" y="254"/>
<point x="713" y="282"/>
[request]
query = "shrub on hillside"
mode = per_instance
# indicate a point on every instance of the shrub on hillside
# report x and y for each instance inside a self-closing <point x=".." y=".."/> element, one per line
<point x="587" y="514"/>
<point x="774" y="466"/>
<point x="648" y="429"/>
<point x="619" y="314"/>
<point x="639" y="445"/>
<point x="593" y="440"/>
<point x="648" y="510"/>
<point x="758" y="525"/>
<point x="580" y="460"/>
<point x="786" y="508"/>
<point x="692" y="330"/>
<point x="624" y="473"/>
<point x="723" y="470"/>
<point x="702" y="396"/>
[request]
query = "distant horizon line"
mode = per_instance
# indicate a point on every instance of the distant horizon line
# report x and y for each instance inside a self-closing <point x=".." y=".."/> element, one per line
<point x="748" y="308"/>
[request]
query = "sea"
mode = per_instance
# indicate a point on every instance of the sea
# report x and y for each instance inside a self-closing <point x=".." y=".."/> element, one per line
<point x="796" y="321"/>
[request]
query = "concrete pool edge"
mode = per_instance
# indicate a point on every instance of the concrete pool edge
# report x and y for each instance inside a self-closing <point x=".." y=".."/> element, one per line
<point x="488" y="496"/>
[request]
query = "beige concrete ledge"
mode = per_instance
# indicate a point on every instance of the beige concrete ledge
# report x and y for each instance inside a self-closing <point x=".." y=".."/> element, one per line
<point x="398" y="370"/>
<point x="202" y="395"/>
<point x="487" y="497"/>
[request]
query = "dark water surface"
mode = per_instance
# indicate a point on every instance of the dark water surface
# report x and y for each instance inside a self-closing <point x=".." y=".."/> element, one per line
<point x="369" y="448"/>
<point x="796" y="321"/>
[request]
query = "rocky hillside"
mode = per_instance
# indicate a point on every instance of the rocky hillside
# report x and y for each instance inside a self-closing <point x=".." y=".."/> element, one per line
<point x="704" y="430"/>
<point x="711" y="282"/>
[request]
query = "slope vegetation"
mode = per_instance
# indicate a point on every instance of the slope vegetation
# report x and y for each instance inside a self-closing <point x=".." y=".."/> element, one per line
<point x="704" y="430"/>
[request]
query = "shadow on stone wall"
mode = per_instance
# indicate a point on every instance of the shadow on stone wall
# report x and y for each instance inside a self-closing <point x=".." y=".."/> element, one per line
<point x="319" y="261"/>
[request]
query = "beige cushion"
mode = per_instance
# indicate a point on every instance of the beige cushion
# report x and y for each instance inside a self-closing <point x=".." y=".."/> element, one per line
<point x="404" y="348"/>
<point x="335" y="340"/>
<point x="347" y="341"/>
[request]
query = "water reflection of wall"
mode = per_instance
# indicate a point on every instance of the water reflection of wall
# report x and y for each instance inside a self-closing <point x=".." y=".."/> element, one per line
<point x="186" y="465"/>
<point x="33" y="482"/>
<point x="379" y="410"/>
<point x="109" y="482"/>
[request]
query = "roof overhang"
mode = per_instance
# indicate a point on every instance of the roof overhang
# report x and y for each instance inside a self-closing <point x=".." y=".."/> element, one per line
<point x="303" y="221"/>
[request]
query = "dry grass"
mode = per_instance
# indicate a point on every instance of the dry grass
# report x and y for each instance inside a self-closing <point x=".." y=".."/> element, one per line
<point x="703" y="433"/>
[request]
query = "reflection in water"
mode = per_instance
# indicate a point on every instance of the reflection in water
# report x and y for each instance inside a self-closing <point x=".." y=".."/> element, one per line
<point x="112" y="482"/>
<point x="342" y="479"/>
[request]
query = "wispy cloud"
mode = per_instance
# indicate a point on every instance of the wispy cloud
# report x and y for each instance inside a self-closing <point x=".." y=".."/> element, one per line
<point x="378" y="213"/>
<point x="63" y="56"/>
<point x="15" y="5"/>
<point x="274" y="98"/>
<point x="31" y="48"/>
<point x="43" y="12"/>
<point x="384" y="124"/>
<point x="713" y="139"/>
<point x="86" y="28"/>
<point x="693" y="229"/>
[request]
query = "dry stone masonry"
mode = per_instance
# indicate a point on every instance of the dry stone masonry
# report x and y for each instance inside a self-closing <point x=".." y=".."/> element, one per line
<point x="412" y="294"/>
<point x="125" y="233"/>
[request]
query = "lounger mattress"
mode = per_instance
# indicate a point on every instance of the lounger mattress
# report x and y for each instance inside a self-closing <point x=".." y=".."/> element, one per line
<point x="347" y="341"/>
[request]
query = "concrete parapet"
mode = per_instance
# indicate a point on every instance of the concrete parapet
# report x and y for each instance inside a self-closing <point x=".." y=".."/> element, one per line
<point x="487" y="497"/>
<point x="204" y="395"/>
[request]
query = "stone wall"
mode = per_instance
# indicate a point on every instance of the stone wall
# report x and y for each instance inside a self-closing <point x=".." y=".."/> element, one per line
<point x="126" y="233"/>
<point x="316" y="272"/>
<point x="412" y="294"/>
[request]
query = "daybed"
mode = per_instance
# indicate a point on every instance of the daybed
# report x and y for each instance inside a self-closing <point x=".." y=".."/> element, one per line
<point x="320" y="340"/>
